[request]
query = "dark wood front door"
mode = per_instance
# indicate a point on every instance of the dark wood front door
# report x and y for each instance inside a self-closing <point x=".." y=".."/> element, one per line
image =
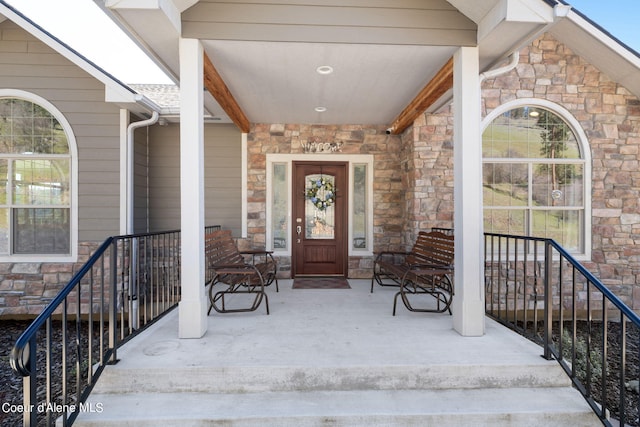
<point x="319" y="218"/>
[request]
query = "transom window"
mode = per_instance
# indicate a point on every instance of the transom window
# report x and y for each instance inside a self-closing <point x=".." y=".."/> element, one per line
<point x="35" y="170"/>
<point x="534" y="177"/>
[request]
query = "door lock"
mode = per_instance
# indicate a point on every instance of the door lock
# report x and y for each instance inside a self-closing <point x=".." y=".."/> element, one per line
<point x="298" y="229"/>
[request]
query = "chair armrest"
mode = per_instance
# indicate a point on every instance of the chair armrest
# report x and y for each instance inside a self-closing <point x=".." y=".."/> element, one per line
<point x="228" y="266"/>
<point x="255" y="252"/>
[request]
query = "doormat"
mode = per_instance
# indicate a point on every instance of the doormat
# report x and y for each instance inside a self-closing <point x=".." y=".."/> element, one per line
<point x="320" y="283"/>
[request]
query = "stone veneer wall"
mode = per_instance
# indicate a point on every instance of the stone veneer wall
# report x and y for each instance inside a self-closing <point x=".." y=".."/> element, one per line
<point x="26" y="288"/>
<point x="428" y="174"/>
<point x="388" y="192"/>
<point x="610" y="117"/>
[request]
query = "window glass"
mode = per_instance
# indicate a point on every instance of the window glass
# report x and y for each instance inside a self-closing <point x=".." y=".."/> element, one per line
<point x="41" y="182"/>
<point x="533" y="177"/>
<point x="505" y="184"/>
<point x="41" y="231"/>
<point x="35" y="180"/>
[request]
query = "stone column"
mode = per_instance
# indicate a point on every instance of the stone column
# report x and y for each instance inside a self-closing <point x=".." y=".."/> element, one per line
<point x="192" y="313"/>
<point x="468" y="301"/>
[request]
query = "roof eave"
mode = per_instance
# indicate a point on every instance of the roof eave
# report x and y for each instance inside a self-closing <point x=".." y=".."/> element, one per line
<point x="127" y="97"/>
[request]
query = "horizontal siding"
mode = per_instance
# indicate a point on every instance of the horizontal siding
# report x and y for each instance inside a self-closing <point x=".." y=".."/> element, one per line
<point x="336" y="16"/>
<point x="45" y="81"/>
<point x="164" y="178"/>
<point x="223" y="175"/>
<point x="223" y="204"/>
<point x="140" y="180"/>
<point x="30" y="65"/>
<point x="433" y="22"/>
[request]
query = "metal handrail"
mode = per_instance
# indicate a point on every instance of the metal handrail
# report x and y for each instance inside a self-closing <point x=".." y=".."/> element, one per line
<point x="532" y="286"/>
<point x="126" y="285"/>
<point x="17" y="359"/>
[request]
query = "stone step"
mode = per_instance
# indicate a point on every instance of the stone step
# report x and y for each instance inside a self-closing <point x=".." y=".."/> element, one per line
<point x="257" y="379"/>
<point x="557" y="406"/>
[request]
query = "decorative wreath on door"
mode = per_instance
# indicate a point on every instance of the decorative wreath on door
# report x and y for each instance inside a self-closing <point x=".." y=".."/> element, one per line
<point x="321" y="193"/>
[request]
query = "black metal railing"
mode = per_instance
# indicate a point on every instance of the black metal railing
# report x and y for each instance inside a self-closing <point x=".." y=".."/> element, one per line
<point x="128" y="283"/>
<point x="537" y="288"/>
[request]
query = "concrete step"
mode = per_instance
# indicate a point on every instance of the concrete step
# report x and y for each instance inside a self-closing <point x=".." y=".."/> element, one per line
<point x="557" y="406"/>
<point x="257" y="379"/>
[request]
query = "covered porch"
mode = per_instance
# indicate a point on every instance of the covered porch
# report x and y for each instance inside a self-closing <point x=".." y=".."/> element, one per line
<point x="341" y="63"/>
<point x="334" y="356"/>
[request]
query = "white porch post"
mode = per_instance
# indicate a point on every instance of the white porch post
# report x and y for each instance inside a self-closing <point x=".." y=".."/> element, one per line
<point x="468" y="301"/>
<point x="192" y="316"/>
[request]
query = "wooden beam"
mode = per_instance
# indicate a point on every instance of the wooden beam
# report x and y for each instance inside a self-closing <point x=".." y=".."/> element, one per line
<point x="438" y="86"/>
<point x="216" y="86"/>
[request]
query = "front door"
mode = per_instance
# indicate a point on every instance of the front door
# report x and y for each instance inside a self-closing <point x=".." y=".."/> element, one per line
<point x="319" y="218"/>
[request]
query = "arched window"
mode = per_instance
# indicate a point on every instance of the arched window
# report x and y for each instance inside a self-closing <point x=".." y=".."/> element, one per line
<point x="36" y="169"/>
<point x="535" y="174"/>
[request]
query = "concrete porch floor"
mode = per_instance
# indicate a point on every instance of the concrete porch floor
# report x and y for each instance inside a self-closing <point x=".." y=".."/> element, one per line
<point x="309" y="327"/>
<point x="334" y="357"/>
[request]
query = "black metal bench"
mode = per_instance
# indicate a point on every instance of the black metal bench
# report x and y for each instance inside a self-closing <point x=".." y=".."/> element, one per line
<point x="228" y="266"/>
<point x="426" y="269"/>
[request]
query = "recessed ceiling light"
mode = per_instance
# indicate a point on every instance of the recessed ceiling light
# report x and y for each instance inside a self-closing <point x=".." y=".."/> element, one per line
<point x="320" y="109"/>
<point x="324" y="69"/>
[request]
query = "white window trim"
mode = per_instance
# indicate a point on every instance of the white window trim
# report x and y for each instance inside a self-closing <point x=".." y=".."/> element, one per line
<point x="351" y="159"/>
<point x="73" y="152"/>
<point x="585" y="151"/>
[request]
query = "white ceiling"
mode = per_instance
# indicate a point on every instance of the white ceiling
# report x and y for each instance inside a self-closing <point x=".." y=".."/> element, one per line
<point x="277" y="82"/>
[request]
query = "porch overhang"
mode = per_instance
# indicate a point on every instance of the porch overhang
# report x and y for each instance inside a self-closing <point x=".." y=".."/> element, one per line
<point x="383" y="55"/>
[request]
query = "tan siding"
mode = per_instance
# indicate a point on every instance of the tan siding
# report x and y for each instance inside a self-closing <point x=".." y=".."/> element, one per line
<point x="223" y="202"/>
<point x="164" y="177"/>
<point x="223" y="174"/>
<point x="29" y="65"/>
<point x="384" y="21"/>
<point x="140" y="180"/>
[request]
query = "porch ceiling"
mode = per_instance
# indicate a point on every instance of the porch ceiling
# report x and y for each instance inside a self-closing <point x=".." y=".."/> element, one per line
<point x="277" y="82"/>
<point x="383" y="52"/>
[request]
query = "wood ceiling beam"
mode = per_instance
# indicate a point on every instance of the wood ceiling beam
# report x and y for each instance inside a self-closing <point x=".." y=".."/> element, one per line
<point x="438" y="86"/>
<point x="217" y="87"/>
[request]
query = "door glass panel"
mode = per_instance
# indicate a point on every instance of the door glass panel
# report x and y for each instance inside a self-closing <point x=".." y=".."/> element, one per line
<point x="279" y="202"/>
<point x="359" y="207"/>
<point x="319" y="206"/>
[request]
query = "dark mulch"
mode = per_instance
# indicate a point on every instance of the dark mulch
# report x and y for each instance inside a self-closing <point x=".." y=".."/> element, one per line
<point x="617" y="379"/>
<point x="11" y="383"/>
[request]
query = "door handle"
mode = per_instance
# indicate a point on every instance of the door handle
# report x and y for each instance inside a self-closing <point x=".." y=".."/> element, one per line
<point x="298" y="229"/>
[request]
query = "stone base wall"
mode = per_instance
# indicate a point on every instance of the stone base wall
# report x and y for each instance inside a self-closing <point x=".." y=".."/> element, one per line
<point x="27" y="288"/>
